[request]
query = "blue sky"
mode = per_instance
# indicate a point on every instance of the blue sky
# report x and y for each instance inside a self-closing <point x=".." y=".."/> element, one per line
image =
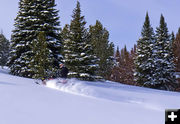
<point x="122" y="18"/>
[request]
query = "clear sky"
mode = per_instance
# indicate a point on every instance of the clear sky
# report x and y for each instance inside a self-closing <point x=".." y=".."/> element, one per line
<point x="123" y="18"/>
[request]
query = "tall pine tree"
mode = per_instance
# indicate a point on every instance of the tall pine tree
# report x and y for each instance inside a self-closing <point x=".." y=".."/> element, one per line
<point x="163" y="76"/>
<point x="103" y="49"/>
<point x="143" y="61"/>
<point x="33" y="17"/>
<point x="78" y="54"/>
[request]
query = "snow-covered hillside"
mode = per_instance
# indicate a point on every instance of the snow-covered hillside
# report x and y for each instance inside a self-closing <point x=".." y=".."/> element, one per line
<point x="79" y="102"/>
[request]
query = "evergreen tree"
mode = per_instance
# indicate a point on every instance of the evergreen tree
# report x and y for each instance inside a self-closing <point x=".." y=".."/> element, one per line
<point x="4" y="50"/>
<point x="102" y="48"/>
<point x="172" y="37"/>
<point x="133" y="52"/>
<point x="33" y="17"/>
<point x="163" y="76"/>
<point x="40" y="63"/>
<point x="143" y="61"/>
<point x="117" y="56"/>
<point x="176" y="51"/>
<point x="123" y="71"/>
<point x="115" y="73"/>
<point x="78" y="54"/>
<point x="65" y="34"/>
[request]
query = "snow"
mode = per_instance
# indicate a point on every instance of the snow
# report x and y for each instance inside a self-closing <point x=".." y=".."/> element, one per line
<point x="80" y="102"/>
<point x="84" y="75"/>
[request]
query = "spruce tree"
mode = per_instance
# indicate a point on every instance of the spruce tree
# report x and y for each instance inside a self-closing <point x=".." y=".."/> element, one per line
<point x="65" y="34"/>
<point x="33" y="17"/>
<point x="143" y="60"/>
<point x="103" y="49"/>
<point x="4" y="50"/>
<point x="40" y="62"/>
<point x="78" y="54"/>
<point x="163" y="76"/>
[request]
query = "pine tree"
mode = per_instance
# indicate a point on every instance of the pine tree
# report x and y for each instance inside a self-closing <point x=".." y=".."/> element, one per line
<point x="4" y="50"/>
<point x="102" y="48"/>
<point x="123" y="71"/>
<point x="176" y="51"/>
<point x="33" y="17"/>
<point x="40" y="63"/>
<point x="172" y="40"/>
<point x="172" y="37"/>
<point x="78" y="54"/>
<point x="143" y="61"/>
<point x="117" y="56"/>
<point x="115" y="74"/>
<point x="132" y="63"/>
<point x="133" y="52"/>
<point x="65" y="34"/>
<point x="163" y="76"/>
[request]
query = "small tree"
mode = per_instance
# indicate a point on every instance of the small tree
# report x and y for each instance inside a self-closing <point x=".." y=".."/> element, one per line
<point x="41" y="61"/>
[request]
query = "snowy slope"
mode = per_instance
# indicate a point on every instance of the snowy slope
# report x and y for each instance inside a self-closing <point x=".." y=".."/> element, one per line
<point x="77" y="102"/>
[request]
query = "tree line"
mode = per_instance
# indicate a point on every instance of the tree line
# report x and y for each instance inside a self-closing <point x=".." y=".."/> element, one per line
<point x="38" y="44"/>
<point x="153" y="61"/>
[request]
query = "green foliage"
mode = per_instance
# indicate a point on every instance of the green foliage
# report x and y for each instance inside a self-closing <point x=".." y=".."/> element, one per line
<point x="33" y="17"/>
<point x="163" y="58"/>
<point x="103" y="49"/>
<point x="154" y="63"/>
<point x="40" y="63"/>
<point x="143" y="61"/>
<point x="4" y="50"/>
<point x="78" y="54"/>
<point x="172" y="37"/>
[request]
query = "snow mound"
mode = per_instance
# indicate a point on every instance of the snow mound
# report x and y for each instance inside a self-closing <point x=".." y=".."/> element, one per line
<point x="73" y="86"/>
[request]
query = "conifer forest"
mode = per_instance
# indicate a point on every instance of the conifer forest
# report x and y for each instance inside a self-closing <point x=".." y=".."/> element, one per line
<point x="39" y="43"/>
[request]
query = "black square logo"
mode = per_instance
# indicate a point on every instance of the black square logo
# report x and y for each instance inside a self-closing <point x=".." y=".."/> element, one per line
<point x="172" y="116"/>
